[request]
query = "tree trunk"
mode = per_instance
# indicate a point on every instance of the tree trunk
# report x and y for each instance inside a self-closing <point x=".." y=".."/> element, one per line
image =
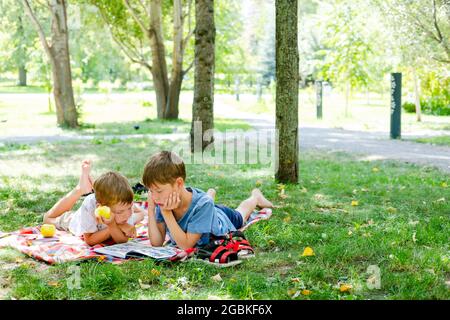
<point x="417" y="96"/>
<point x="58" y="54"/>
<point x="177" y="63"/>
<point x="62" y="74"/>
<point x="237" y="81"/>
<point x="22" y="76"/>
<point x="287" y="82"/>
<point x="347" y="98"/>
<point x="202" y="108"/>
<point x="159" y="66"/>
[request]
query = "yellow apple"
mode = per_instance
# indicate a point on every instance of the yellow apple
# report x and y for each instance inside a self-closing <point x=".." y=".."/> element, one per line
<point x="103" y="211"/>
<point x="48" y="230"/>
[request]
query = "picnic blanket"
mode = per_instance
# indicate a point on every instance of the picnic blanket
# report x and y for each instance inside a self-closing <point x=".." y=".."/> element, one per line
<point x="65" y="247"/>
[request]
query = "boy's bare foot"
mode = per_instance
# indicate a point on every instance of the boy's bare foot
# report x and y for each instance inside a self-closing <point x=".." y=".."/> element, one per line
<point x="211" y="193"/>
<point x="85" y="183"/>
<point x="262" y="202"/>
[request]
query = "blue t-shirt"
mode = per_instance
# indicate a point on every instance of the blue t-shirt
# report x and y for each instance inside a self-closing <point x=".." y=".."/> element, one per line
<point x="202" y="217"/>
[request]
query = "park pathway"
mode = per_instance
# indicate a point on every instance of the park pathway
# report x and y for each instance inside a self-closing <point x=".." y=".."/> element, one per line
<point x="369" y="145"/>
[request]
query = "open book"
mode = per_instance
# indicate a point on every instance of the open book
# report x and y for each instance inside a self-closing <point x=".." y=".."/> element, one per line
<point x="136" y="249"/>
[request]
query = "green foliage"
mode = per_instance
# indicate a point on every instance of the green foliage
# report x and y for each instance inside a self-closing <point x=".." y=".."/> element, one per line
<point x="409" y="107"/>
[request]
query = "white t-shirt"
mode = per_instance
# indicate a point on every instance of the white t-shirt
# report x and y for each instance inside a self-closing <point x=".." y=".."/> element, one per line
<point x="83" y="220"/>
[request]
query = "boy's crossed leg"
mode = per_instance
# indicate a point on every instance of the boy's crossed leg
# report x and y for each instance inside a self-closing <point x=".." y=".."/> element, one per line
<point x="68" y="201"/>
<point x="249" y="205"/>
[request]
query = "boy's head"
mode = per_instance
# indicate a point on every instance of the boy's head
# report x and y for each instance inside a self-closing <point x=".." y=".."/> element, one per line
<point x="113" y="190"/>
<point x="164" y="173"/>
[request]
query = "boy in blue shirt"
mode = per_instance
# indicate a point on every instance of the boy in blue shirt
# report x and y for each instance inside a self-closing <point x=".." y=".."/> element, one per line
<point x="187" y="214"/>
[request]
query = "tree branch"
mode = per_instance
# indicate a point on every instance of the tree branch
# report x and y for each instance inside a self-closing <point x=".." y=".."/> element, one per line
<point x="184" y="72"/>
<point x="436" y="25"/>
<point x="190" y="30"/>
<point x="38" y="27"/>
<point x="129" y="52"/>
<point x="135" y="16"/>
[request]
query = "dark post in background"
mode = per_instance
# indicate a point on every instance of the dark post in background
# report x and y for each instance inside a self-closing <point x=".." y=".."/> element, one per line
<point x="396" y="105"/>
<point x="319" y="97"/>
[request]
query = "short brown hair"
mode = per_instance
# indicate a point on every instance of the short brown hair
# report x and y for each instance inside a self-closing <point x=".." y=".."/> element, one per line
<point x="164" y="167"/>
<point x="112" y="188"/>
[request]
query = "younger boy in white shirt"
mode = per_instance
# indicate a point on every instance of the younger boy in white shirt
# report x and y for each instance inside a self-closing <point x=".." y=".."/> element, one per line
<point x="110" y="189"/>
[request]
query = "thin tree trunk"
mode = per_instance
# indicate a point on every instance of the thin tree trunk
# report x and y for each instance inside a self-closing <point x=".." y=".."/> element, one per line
<point x="21" y="55"/>
<point x="22" y="76"/>
<point x="417" y="96"/>
<point x="347" y="98"/>
<point x="237" y="82"/>
<point x="177" y="63"/>
<point x="287" y="85"/>
<point x="203" y="105"/>
<point x="58" y="54"/>
<point x="159" y="66"/>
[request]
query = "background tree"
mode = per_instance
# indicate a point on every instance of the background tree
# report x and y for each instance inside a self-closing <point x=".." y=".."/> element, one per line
<point x="58" y="54"/>
<point x="420" y="33"/>
<point x="138" y="28"/>
<point x="287" y="77"/>
<point x="203" y="105"/>
<point x="18" y="40"/>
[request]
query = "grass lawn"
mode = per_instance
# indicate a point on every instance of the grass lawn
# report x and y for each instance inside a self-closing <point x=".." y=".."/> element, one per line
<point x="399" y="222"/>
<point x="439" y="140"/>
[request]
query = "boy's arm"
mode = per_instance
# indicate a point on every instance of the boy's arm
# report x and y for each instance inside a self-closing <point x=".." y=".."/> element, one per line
<point x="184" y="240"/>
<point x="115" y="232"/>
<point x="97" y="237"/>
<point x="156" y="231"/>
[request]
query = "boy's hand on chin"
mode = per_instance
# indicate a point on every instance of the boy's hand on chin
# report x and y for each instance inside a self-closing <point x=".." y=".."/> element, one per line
<point x="172" y="203"/>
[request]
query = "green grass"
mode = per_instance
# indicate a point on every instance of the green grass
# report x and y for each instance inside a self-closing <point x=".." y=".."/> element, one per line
<point x="401" y="225"/>
<point x="440" y="140"/>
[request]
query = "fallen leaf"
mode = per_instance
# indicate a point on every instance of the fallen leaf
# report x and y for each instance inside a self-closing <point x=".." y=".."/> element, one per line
<point x="155" y="272"/>
<point x="53" y="283"/>
<point x="345" y="287"/>
<point x="217" y="278"/>
<point x="308" y="252"/>
<point x="440" y="200"/>
<point x="375" y="169"/>
<point x="295" y="279"/>
<point x="350" y="232"/>
<point x="306" y="292"/>
<point x="287" y="219"/>
<point x="291" y="292"/>
<point x="258" y="183"/>
<point x="355" y="203"/>
<point x="303" y="190"/>
<point x="282" y="195"/>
